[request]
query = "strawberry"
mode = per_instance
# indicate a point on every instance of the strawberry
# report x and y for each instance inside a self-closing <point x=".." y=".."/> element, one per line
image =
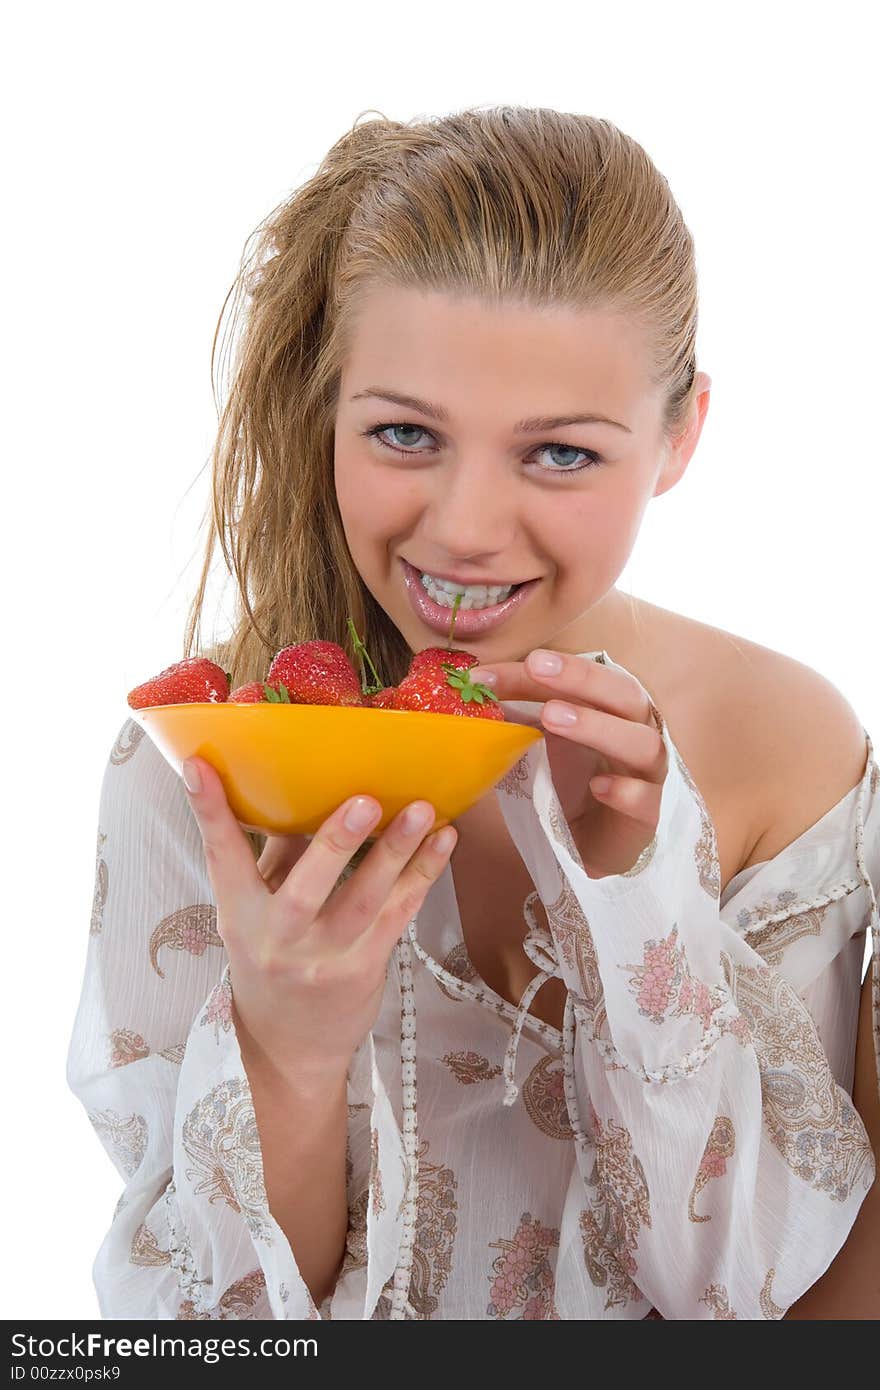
<point x="254" y="693"/>
<point x="383" y="699"/>
<point x="315" y="673"/>
<point x="447" y="689"/>
<point x="194" y="679"/>
<point x="431" y="659"/>
<point x="435" y="656"/>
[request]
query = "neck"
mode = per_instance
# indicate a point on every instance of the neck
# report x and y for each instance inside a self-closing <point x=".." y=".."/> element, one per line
<point x="616" y="625"/>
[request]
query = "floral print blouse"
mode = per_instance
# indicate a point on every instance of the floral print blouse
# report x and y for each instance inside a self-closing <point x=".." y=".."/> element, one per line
<point x="686" y="1146"/>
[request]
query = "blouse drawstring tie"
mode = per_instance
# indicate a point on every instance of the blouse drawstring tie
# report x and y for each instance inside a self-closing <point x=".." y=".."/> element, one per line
<point x="540" y="947"/>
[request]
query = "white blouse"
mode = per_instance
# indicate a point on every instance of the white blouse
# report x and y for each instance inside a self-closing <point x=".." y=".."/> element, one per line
<point x="686" y="1147"/>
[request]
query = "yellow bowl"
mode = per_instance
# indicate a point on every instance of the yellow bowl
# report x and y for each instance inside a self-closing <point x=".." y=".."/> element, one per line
<point x="286" y="768"/>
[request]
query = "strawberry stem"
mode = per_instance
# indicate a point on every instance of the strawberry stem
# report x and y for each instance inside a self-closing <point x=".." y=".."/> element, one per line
<point x="363" y="655"/>
<point x="455" y="604"/>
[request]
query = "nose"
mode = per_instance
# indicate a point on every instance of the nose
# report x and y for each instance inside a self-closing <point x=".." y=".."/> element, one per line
<point x="472" y="512"/>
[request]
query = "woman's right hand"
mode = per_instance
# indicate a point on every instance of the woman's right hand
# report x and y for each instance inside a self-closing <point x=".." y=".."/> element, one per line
<point x="308" y="969"/>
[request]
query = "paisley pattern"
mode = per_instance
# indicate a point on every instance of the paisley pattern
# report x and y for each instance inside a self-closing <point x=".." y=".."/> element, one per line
<point x="571" y="933"/>
<point x="720" y="1146"/>
<point x="220" y="1137"/>
<point x="573" y="940"/>
<point x="770" y="1309"/>
<point x="238" y="1302"/>
<point x="771" y="939"/>
<point x="124" y="1135"/>
<point x="128" y="741"/>
<point x="436" y="1227"/>
<point x="469" y="1067"/>
<point x="621" y="1206"/>
<point x="191" y="929"/>
<point x="145" y="1248"/>
<point x="126" y="1046"/>
<point x="543" y="1094"/>
<point x="716" y="1298"/>
<point x="810" y="1119"/>
<point x="458" y="963"/>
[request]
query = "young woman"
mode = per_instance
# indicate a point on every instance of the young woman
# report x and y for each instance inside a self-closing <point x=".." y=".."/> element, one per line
<point x="603" y="1056"/>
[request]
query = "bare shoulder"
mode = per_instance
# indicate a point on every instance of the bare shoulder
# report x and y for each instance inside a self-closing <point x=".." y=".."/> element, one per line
<point x="800" y="743"/>
<point x="773" y="743"/>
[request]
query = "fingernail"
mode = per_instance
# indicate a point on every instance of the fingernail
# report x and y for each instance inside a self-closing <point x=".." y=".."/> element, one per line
<point x="600" y="785"/>
<point x="360" y="814"/>
<point x="560" y="714"/>
<point x="416" y="817"/>
<point x="192" y="780"/>
<point x="476" y="673"/>
<point x="545" y="663"/>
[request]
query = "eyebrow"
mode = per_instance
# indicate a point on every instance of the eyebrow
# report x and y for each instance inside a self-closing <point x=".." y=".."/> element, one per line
<point x="533" y="425"/>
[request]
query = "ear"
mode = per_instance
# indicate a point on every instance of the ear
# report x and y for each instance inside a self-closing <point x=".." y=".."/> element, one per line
<point x="680" y="450"/>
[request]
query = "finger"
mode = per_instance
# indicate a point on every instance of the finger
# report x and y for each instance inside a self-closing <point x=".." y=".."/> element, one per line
<point x="315" y="875"/>
<point x="636" y="748"/>
<point x="632" y="797"/>
<point x="364" y="896"/>
<point x="228" y="855"/>
<point x="589" y="682"/>
<point x="413" y="886"/>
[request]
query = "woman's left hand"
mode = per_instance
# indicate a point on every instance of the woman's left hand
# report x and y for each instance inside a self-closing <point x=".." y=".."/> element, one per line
<point x="612" y="735"/>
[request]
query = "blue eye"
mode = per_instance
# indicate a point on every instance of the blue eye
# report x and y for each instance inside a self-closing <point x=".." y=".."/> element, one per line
<point x="592" y="459"/>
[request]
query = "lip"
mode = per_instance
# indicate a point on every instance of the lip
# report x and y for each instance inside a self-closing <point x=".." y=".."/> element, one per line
<point x="469" y="622"/>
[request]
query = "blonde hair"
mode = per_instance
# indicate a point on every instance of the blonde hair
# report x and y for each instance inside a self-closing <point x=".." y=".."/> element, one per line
<point x="531" y="204"/>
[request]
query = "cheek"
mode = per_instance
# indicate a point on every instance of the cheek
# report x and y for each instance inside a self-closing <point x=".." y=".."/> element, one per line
<point x="590" y="542"/>
<point x="372" y="505"/>
<point x="348" y="481"/>
<point x="356" y="495"/>
<point x="598" y="526"/>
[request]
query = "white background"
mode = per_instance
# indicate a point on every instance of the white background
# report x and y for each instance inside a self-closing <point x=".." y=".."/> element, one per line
<point x="143" y="145"/>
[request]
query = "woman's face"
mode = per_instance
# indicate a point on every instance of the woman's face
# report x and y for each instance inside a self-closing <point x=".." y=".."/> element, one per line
<point x="476" y="495"/>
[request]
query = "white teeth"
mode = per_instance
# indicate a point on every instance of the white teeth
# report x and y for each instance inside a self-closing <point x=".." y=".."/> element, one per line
<point x="473" y="595"/>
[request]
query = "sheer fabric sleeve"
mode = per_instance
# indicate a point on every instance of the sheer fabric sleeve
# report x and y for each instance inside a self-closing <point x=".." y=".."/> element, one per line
<point x="154" y="1059"/>
<point x="723" y="1161"/>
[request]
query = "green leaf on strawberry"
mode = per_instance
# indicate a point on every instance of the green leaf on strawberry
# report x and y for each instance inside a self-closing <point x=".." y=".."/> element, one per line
<point x="277" y="697"/>
<point x="469" y="690"/>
